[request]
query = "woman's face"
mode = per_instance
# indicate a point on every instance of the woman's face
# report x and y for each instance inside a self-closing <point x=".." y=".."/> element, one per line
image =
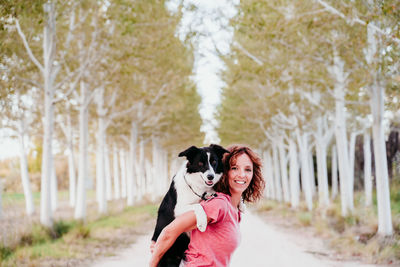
<point x="240" y="174"/>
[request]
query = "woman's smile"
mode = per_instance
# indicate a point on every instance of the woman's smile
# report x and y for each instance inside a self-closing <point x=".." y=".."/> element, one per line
<point x="240" y="173"/>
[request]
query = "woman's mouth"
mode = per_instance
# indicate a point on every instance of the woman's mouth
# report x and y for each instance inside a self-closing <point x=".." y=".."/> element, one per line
<point x="239" y="182"/>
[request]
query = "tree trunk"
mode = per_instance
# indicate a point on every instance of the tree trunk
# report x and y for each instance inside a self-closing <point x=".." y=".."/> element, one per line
<point x="305" y="168"/>
<point x="352" y="148"/>
<point x="132" y="185"/>
<point x="367" y="169"/>
<point x="140" y="171"/>
<point x="117" y="187"/>
<point x="277" y="176"/>
<point x="54" y="189"/>
<point x="49" y="47"/>
<point x="83" y="171"/>
<point x="269" y="175"/>
<point x="26" y="185"/>
<point x="101" y="140"/>
<point x="283" y="168"/>
<point x="385" y="226"/>
<point x="334" y="172"/>
<point x="294" y="175"/>
<point x="107" y="169"/>
<point x="323" y="188"/>
<point x="122" y="161"/>
<point x="72" y="175"/>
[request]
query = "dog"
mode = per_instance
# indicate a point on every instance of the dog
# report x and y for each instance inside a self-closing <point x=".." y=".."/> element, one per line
<point x="192" y="183"/>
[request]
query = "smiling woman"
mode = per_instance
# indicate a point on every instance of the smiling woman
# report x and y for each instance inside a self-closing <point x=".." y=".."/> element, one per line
<point x="242" y="165"/>
<point x="213" y="244"/>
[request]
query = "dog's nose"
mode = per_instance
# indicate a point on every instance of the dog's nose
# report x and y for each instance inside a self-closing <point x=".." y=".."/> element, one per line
<point x="210" y="177"/>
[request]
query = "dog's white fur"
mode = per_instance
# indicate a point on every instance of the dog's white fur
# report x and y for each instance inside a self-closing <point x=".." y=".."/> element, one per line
<point x="185" y="196"/>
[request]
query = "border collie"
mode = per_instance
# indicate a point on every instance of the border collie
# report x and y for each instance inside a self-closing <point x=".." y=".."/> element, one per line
<point x="192" y="183"/>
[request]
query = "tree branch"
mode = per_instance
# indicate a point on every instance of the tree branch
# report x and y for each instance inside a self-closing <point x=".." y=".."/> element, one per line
<point x="28" y="49"/>
<point x="247" y="53"/>
<point x="333" y="10"/>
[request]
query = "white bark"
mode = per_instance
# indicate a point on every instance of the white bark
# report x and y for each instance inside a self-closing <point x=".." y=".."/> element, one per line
<point x="49" y="72"/>
<point x="72" y="177"/>
<point x="100" y="176"/>
<point x="83" y="171"/>
<point x="68" y="133"/>
<point x="277" y="176"/>
<point x="367" y="169"/>
<point x="150" y="187"/>
<point x="352" y="148"/>
<point x="116" y="168"/>
<point x="337" y="71"/>
<point x="283" y="168"/>
<point x="54" y="189"/>
<point x="321" y="142"/>
<point x="107" y="169"/>
<point x="302" y="140"/>
<point x="268" y="174"/>
<point x="141" y="179"/>
<point x="26" y="185"/>
<point x="334" y="173"/>
<point x="385" y="226"/>
<point x="377" y="103"/>
<point x="156" y="168"/>
<point x="132" y="179"/>
<point x="294" y="175"/>
<point x="122" y="162"/>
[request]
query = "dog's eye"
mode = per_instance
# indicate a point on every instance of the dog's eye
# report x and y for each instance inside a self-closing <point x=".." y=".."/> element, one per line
<point x="201" y="164"/>
<point x="214" y="162"/>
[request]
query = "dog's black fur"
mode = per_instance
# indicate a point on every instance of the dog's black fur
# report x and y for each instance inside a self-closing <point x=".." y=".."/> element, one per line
<point x="192" y="182"/>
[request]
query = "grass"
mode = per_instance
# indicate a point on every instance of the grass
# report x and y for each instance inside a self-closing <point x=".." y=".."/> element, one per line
<point x="70" y="241"/>
<point x="354" y="235"/>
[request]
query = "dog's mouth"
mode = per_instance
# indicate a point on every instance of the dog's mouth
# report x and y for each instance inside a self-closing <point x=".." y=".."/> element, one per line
<point x="209" y="183"/>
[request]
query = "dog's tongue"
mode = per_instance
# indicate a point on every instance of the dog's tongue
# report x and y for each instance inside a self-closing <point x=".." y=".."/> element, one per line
<point x="209" y="182"/>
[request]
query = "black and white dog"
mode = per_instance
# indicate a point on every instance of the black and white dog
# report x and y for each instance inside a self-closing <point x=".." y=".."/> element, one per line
<point x="193" y="182"/>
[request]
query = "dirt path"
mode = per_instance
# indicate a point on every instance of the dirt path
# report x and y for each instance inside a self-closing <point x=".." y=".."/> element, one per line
<point x="261" y="245"/>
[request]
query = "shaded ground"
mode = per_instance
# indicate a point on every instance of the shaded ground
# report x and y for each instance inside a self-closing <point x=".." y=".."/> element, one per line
<point x="261" y="245"/>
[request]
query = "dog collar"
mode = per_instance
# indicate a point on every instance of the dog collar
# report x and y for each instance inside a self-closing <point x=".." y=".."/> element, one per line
<point x="203" y="196"/>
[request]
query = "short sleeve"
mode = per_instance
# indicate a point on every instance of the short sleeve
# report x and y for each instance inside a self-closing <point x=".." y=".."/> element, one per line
<point x="215" y="209"/>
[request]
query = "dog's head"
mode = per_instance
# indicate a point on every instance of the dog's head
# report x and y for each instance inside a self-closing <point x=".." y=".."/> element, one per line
<point x="205" y="162"/>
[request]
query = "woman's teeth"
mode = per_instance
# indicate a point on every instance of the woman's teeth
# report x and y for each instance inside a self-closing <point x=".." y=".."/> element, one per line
<point x="240" y="182"/>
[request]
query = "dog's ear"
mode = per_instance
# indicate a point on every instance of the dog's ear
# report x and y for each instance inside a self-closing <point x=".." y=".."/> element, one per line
<point x="189" y="153"/>
<point x="219" y="150"/>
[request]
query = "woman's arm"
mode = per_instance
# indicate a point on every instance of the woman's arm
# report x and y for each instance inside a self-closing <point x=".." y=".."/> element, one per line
<point x="170" y="233"/>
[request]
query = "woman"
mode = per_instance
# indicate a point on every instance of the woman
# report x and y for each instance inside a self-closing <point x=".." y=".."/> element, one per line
<point x="242" y="181"/>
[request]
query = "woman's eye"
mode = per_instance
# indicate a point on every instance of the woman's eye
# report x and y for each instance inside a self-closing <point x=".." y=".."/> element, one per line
<point x="248" y="170"/>
<point x="201" y="164"/>
<point x="233" y="168"/>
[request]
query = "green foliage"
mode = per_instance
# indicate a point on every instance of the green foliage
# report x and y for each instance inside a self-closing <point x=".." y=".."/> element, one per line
<point x="5" y="252"/>
<point x="282" y="64"/>
<point x="305" y="218"/>
<point x="68" y="239"/>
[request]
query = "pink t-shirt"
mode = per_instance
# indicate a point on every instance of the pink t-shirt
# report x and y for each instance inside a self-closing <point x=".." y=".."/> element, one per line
<point x="215" y="246"/>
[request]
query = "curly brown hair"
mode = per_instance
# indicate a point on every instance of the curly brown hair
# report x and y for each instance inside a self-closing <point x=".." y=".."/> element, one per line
<point x="256" y="188"/>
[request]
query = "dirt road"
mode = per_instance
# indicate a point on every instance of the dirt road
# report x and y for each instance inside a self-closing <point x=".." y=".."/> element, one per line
<point x="262" y="245"/>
